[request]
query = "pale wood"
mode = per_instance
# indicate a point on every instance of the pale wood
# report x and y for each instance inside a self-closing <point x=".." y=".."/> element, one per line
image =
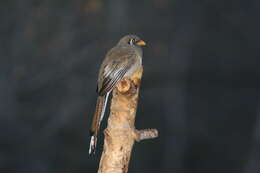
<point x="120" y="133"/>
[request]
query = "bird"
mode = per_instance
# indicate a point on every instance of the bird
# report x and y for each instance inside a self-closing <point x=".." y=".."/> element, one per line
<point x="120" y="61"/>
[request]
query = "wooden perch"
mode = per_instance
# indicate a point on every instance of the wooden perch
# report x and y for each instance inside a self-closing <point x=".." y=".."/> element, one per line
<point x="120" y="133"/>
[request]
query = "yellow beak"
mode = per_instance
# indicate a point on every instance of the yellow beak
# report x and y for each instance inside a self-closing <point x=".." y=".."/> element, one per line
<point x="141" y="43"/>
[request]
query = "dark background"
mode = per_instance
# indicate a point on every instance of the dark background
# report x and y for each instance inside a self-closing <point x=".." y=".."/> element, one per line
<point x="200" y="86"/>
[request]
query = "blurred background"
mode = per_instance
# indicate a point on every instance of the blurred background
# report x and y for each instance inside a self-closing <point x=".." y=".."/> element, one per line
<point x="200" y="86"/>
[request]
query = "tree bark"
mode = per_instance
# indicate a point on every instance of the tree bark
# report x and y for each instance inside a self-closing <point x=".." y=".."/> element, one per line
<point x="120" y="133"/>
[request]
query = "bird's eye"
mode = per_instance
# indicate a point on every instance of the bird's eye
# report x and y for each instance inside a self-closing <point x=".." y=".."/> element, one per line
<point x="131" y="41"/>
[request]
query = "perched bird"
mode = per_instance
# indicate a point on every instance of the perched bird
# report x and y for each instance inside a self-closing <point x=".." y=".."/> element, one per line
<point x="120" y="61"/>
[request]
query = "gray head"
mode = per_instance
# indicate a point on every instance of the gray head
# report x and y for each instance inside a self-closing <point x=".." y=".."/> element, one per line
<point x="132" y="40"/>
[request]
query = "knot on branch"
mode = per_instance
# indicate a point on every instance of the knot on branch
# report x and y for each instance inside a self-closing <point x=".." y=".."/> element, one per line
<point x="128" y="86"/>
<point x="124" y="85"/>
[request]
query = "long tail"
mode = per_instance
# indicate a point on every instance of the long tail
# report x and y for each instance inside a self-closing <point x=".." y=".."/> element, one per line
<point x="97" y="118"/>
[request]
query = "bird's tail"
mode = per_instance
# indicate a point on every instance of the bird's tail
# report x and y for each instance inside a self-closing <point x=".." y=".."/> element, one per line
<point x="97" y="118"/>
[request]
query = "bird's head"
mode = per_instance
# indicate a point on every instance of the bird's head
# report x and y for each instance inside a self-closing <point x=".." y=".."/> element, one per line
<point x="132" y="40"/>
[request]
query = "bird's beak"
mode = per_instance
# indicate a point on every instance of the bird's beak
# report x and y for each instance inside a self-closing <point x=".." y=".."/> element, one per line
<point x="140" y="43"/>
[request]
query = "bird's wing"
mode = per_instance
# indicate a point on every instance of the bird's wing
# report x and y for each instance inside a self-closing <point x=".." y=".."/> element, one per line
<point x="115" y="66"/>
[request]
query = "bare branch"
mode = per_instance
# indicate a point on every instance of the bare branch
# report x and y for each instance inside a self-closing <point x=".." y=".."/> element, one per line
<point x="120" y="133"/>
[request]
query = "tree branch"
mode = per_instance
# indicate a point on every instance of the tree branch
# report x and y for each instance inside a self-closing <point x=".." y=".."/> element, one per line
<point x="120" y="133"/>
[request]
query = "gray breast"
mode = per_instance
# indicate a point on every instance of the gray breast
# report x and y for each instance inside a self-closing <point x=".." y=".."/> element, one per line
<point x="134" y="67"/>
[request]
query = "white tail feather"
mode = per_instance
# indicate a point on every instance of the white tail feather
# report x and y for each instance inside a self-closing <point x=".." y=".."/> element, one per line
<point x="92" y="145"/>
<point x="93" y="140"/>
